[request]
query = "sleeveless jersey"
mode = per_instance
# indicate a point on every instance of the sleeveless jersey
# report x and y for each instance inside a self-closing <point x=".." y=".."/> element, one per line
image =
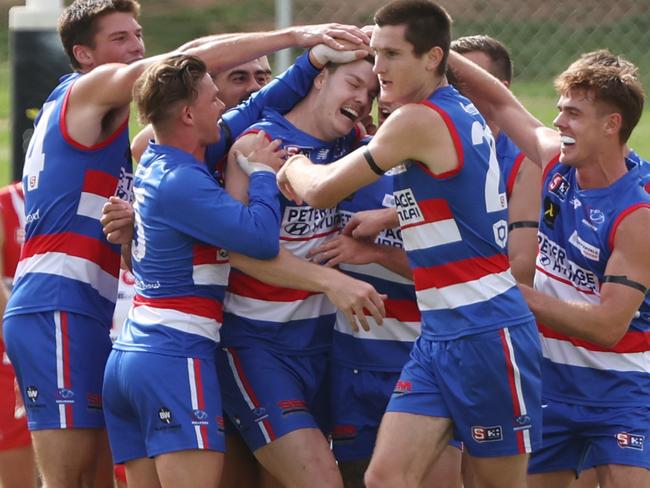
<point x="12" y="206"/>
<point x="576" y="236"/>
<point x="454" y="227"/>
<point x="66" y="263"/>
<point x="386" y="347"/>
<point x="644" y="169"/>
<point x="285" y="319"/>
<point x="183" y="223"/>
<point x="510" y="158"/>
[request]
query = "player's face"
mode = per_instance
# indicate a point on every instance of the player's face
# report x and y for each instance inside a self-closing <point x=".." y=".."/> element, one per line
<point x="118" y="40"/>
<point x="206" y="111"/>
<point x="402" y="75"/>
<point x="347" y="96"/>
<point x="582" y="125"/>
<point x="238" y="83"/>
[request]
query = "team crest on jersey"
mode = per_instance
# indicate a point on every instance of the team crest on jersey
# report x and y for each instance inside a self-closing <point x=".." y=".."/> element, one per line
<point x="551" y="211"/>
<point x="630" y="441"/>
<point x="559" y="186"/>
<point x="408" y="209"/>
<point x="487" y="434"/>
<point x="125" y="185"/>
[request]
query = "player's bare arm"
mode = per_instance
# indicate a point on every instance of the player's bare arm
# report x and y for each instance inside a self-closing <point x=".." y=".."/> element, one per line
<point x="412" y="132"/>
<point x="349" y="295"/>
<point x="346" y="250"/>
<point x="369" y="223"/>
<point x="497" y="103"/>
<point x="606" y="322"/>
<point x="523" y="216"/>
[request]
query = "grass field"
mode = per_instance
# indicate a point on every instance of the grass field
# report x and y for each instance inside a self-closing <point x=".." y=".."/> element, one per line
<point x="538" y="97"/>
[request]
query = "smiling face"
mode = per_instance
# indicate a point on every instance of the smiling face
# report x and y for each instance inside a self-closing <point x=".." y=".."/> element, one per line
<point x="345" y="96"/>
<point x="118" y="40"/>
<point x="585" y="125"/>
<point x="403" y="76"/>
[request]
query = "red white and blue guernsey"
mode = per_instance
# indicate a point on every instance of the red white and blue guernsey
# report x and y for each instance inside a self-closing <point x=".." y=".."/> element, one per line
<point x="384" y="348"/>
<point x="184" y="222"/>
<point x="477" y="359"/>
<point x="576" y="239"/>
<point x="510" y="158"/>
<point x="284" y="319"/>
<point x="66" y="263"/>
<point x="456" y="245"/>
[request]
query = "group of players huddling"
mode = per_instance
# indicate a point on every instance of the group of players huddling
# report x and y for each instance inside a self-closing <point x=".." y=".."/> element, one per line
<point x="320" y="302"/>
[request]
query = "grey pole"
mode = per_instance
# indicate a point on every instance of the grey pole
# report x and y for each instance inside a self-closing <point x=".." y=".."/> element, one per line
<point x="37" y="60"/>
<point x="283" y="19"/>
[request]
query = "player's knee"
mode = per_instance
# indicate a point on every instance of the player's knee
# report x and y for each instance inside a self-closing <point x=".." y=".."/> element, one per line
<point x="380" y="477"/>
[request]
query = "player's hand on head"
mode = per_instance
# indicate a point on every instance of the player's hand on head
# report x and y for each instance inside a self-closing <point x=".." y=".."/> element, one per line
<point x="323" y="54"/>
<point x="332" y="35"/>
<point x="355" y="298"/>
<point x="117" y="221"/>
<point x="264" y="155"/>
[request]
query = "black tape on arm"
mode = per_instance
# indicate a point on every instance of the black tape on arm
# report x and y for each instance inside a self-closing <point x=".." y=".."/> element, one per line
<point x="623" y="280"/>
<point x="523" y="224"/>
<point x="371" y="162"/>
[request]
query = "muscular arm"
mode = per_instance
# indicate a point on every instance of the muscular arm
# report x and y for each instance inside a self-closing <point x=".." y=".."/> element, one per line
<point x="606" y="322"/>
<point x="287" y="270"/>
<point x="523" y="206"/>
<point x="411" y="132"/>
<point x="497" y="103"/>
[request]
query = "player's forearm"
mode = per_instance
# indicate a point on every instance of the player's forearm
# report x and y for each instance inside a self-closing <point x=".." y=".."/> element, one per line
<point x="287" y="270"/>
<point x="595" y="323"/>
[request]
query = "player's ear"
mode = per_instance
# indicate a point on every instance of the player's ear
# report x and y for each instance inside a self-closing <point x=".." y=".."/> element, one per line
<point x="83" y="55"/>
<point x="434" y="58"/>
<point x="320" y="79"/>
<point x="613" y="123"/>
<point x="185" y="114"/>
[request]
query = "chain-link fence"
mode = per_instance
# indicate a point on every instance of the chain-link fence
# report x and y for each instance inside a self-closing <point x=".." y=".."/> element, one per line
<point x="543" y="36"/>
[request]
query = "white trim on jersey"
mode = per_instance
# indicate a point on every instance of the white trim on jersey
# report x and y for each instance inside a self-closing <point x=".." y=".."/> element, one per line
<point x="73" y="267"/>
<point x="90" y="205"/>
<point x="563" y="352"/>
<point x="195" y="400"/>
<point x="146" y="315"/>
<point x="431" y="234"/>
<point x="302" y="248"/>
<point x="19" y="205"/>
<point x="211" y="274"/>
<point x="467" y="293"/>
<point x="313" y="306"/>
<point x="60" y="380"/>
<point x="244" y="393"/>
<point x="376" y="271"/>
<point x="519" y="390"/>
<point x="391" y="330"/>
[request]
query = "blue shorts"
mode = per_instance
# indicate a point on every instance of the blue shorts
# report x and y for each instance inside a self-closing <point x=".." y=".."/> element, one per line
<point x="268" y="394"/>
<point x="578" y="437"/>
<point x="155" y="404"/>
<point x="59" y="359"/>
<point x="358" y="402"/>
<point x="488" y="384"/>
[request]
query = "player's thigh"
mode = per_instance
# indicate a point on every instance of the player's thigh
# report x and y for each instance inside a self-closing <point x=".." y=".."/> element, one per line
<point x="407" y="444"/>
<point x="620" y="476"/>
<point x="445" y="472"/>
<point x="500" y="472"/>
<point x="53" y="449"/>
<point x="556" y="479"/>
<point x="141" y="472"/>
<point x="588" y="479"/>
<point x="189" y="469"/>
<point x="240" y="468"/>
<point x="301" y="458"/>
<point x="18" y="468"/>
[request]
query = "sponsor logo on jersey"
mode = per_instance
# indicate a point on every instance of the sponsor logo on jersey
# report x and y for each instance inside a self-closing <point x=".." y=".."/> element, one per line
<point x="469" y="108"/>
<point x="630" y="441"/>
<point x="500" y="230"/>
<point x="306" y="221"/>
<point x="292" y="406"/>
<point x="553" y="258"/>
<point x="523" y="422"/>
<point x="487" y="434"/>
<point x="125" y="185"/>
<point x="551" y="211"/>
<point x="408" y="209"/>
<point x="402" y="386"/>
<point x="559" y="186"/>
<point x="259" y="414"/>
<point x="388" y="201"/>
<point x="220" y="423"/>
<point x="587" y="250"/>
<point x="322" y="154"/>
<point x="596" y="216"/>
<point x="343" y="433"/>
<point x="165" y="415"/>
<point x="199" y="417"/>
<point x="31" y="393"/>
<point x="292" y="150"/>
<point x="575" y="202"/>
<point x="64" y="395"/>
<point x="94" y="401"/>
<point x="32" y="217"/>
<point x="399" y="169"/>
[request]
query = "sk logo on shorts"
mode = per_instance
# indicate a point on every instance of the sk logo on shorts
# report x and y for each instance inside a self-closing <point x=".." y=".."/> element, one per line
<point x="487" y="434"/>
